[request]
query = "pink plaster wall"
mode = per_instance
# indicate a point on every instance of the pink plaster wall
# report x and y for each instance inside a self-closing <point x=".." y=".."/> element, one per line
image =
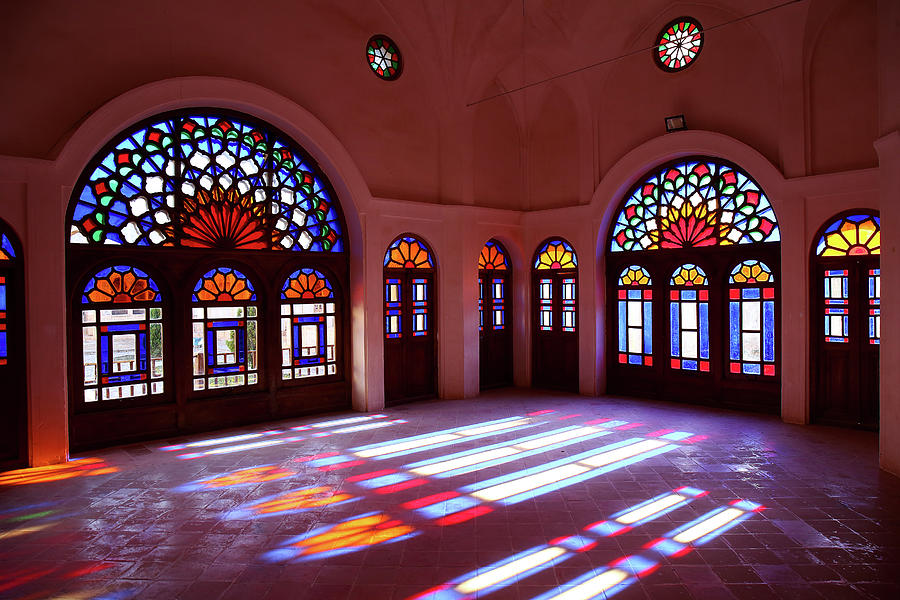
<point x="412" y="155"/>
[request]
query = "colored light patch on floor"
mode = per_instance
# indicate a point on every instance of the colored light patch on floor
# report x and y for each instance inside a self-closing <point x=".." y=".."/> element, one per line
<point x="241" y="477"/>
<point x="295" y="501"/>
<point x="350" y="535"/>
<point x="241" y="447"/>
<point x="79" y="467"/>
<point x="230" y="439"/>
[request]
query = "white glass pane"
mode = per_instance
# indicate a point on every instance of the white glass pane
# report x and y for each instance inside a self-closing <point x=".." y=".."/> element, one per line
<point x="309" y="309"/>
<point x="124" y="348"/>
<point x="836" y="291"/>
<point x="750" y="342"/>
<point x="122" y="314"/>
<point x="635" y="308"/>
<point x="689" y="344"/>
<point x="635" y="337"/>
<point x="89" y="354"/>
<point x="90" y="395"/>
<point x="751" y="312"/>
<point x="225" y="312"/>
<point x="197" y="313"/>
<point x="156" y="387"/>
<point x="688" y="315"/>
<point x="837" y="326"/>
<point x="89" y="316"/>
<point x="198" y="352"/>
<point x="226" y="340"/>
<point x="199" y="384"/>
<point x="878" y="327"/>
<point x="285" y="309"/>
<point x="285" y="342"/>
<point x="878" y="287"/>
<point x="309" y="340"/>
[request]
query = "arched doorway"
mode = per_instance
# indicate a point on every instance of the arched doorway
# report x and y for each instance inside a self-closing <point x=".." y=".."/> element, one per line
<point x="13" y="410"/>
<point x="692" y="265"/>
<point x="554" y="322"/>
<point x="845" y="305"/>
<point x="495" y="316"/>
<point x="410" y="359"/>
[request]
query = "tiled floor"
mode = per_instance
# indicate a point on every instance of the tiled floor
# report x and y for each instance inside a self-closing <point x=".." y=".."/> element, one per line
<point x="517" y="514"/>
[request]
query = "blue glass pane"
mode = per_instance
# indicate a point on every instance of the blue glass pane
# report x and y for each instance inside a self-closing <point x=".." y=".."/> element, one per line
<point x="750" y="293"/>
<point x="634" y="294"/>
<point x="688" y="294"/>
<point x="635" y="359"/>
<point x="675" y="333"/>
<point x="648" y="328"/>
<point x="734" y="310"/>
<point x="2" y="297"/>
<point x="689" y="364"/>
<point x="704" y="330"/>
<point x="3" y="350"/>
<point x="623" y="332"/>
<point x="752" y="368"/>
<point x="769" y="331"/>
<point x="104" y="354"/>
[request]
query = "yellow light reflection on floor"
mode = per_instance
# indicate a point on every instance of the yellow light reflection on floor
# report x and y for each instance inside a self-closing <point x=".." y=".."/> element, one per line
<point x="25" y="530"/>
<point x="508" y="571"/>
<point x="365" y="531"/>
<point x="309" y="498"/>
<point x="594" y="586"/>
<point x="251" y="475"/>
<point x="82" y="467"/>
<point x="650" y="509"/>
<point x="710" y="524"/>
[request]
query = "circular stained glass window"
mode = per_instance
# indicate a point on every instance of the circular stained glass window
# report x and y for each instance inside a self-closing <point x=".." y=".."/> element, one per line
<point x="384" y="57"/>
<point x="678" y="44"/>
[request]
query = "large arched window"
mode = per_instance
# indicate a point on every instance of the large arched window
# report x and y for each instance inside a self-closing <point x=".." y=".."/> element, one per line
<point x="410" y="368"/>
<point x="846" y="328"/>
<point x="203" y="193"/>
<point x="686" y="224"/>
<point x="555" y="329"/>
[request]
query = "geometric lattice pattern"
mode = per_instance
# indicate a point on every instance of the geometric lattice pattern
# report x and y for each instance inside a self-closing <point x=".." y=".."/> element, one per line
<point x="694" y="203"/>
<point x="206" y="180"/>
<point x="384" y="57"/>
<point x="678" y="44"/>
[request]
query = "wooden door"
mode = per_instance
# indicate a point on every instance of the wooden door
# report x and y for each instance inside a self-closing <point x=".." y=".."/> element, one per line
<point x="495" y="329"/>
<point x="13" y="410"/>
<point x="555" y="350"/>
<point x="409" y="342"/>
<point x="847" y="305"/>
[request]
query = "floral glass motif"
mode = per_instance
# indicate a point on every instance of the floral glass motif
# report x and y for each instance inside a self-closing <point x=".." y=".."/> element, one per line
<point x="635" y="306"/>
<point x="853" y="235"/>
<point x="678" y="44"/>
<point x="694" y="203"/>
<point x="689" y="319"/>
<point x="408" y="253"/>
<point x="121" y="335"/>
<point x="384" y="57"/>
<point x="308" y="326"/>
<point x="751" y="312"/>
<point x="555" y="255"/>
<point x="224" y="330"/>
<point x="493" y="257"/>
<point x="206" y="180"/>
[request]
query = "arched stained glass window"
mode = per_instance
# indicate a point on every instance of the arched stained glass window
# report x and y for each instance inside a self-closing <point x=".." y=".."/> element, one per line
<point x="493" y="257"/>
<point x="555" y="345"/>
<point x="689" y="318"/>
<point x="678" y="44"/>
<point x="308" y="326"/>
<point x="408" y="253"/>
<point x="384" y="57"/>
<point x="7" y="252"/>
<point x="555" y="255"/>
<point x="852" y="235"/>
<point x="635" y="303"/>
<point x="206" y="179"/>
<point x="694" y="203"/>
<point x="121" y="335"/>
<point x="7" y="256"/>
<point x="751" y="313"/>
<point x="224" y="330"/>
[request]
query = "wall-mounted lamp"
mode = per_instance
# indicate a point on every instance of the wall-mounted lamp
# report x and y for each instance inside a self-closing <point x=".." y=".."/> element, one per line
<point x="675" y="123"/>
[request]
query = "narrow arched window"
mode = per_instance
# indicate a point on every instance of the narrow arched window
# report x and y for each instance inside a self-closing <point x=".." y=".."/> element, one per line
<point x="308" y="326"/>
<point x="689" y="319"/>
<point x="751" y="318"/>
<point x="7" y="257"/>
<point x="555" y="284"/>
<point x="121" y="335"/>
<point x="635" y="303"/>
<point x="224" y="330"/>
<point x="495" y="336"/>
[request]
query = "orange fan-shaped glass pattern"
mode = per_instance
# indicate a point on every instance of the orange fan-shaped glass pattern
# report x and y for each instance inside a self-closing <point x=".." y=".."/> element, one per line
<point x="408" y="253"/>
<point x="635" y="275"/>
<point x="853" y="235"/>
<point x="121" y="284"/>
<point x="751" y="271"/>
<point x="556" y="254"/>
<point x="688" y="275"/>
<point x="306" y="284"/>
<point x="493" y="257"/>
<point x="223" y="285"/>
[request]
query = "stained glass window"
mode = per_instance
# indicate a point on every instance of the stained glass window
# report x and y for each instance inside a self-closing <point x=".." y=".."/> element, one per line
<point x="635" y="303"/>
<point x="308" y="326"/>
<point x="689" y="318"/>
<point x="121" y="335"/>
<point x="408" y="253"/>
<point x="7" y="252"/>
<point x="384" y="57"/>
<point x="555" y="255"/>
<point x="837" y="306"/>
<point x="7" y="255"/>
<point x="420" y="300"/>
<point x="545" y="304"/>
<point x="694" y="203"/>
<point x="493" y="257"/>
<point x="498" y="308"/>
<point x="853" y="235"/>
<point x="208" y="180"/>
<point x="751" y="310"/>
<point x="678" y="44"/>
<point x="224" y="330"/>
<point x="393" y="327"/>
<point x="874" y="296"/>
<point x="480" y="304"/>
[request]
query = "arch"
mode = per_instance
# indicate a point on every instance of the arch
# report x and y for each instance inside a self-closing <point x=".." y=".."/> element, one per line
<point x="854" y="233"/>
<point x="555" y="254"/>
<point x="408" y="252"/>
<point x="310" y="319"/>
<point x="554" y="315"/>
<point x="13" y="410"/>
<point x="495" y="316"/>
<point x="493" y="256"/>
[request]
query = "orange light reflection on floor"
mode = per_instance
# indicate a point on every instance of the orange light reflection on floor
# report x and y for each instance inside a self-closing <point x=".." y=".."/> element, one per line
<point x="364" y="531"/>
<point x="80" y="467"/>
<point x="251" y="475"/>
<point x="308" y="498"/>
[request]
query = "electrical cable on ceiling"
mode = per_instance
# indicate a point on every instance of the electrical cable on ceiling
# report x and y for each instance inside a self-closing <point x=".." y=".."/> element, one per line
<point x="626" y="55"/>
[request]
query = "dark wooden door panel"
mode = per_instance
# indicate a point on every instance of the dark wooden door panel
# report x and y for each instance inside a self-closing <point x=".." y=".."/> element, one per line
<point x="496" y="347"/>
<point x="410" y="371"/>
